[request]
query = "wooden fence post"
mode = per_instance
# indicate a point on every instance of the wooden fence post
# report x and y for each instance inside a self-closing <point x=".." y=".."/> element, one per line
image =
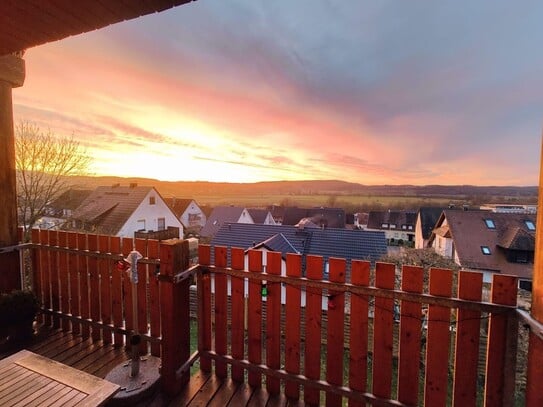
<point x="174" y="257"/>
<point x="534" y="393"/>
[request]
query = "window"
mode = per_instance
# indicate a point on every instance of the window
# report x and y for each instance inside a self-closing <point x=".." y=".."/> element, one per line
<point x="152" y="200"/>
<point x="485" y="250"/>
<point x="404" y="227"/>
<point x="161" y="224"/>
<point x="392" y="226"/>
<point x="384" y="225"/>
<point x="529" y="224"/>
<point x="410" y="227"/>
<point x="490" y="224"/>
<point x="141" y="224"/>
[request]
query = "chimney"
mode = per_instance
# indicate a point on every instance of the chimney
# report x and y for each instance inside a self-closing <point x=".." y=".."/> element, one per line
<point x="116" y="185"/>
<point x="133" y="185"/>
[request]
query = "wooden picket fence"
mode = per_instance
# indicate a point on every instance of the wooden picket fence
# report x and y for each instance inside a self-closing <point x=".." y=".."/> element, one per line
<point x="305" y="352"/>
<point x="438" y="353"/>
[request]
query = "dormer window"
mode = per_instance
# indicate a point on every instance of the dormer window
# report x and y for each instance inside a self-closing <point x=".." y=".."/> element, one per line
<point x="485" y="250"/>
<point x="384" y="225"/>
<point x="530" y="225"/>
<point x="490" y="224"/>
<point x="393" y="226"/>
<point x="404" y="227"/>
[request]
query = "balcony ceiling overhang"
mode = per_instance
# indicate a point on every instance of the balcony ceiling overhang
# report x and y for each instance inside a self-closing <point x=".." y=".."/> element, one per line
<point x="26" y="24"/>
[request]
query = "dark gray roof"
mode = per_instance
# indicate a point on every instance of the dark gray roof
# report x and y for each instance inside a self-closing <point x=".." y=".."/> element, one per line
<point x="428" y="219"/>
<point x="278" y="243"/>
<point x="221" y="215"/>
<point x="178" y="205"/>
<point x="328" y="242"/>
<point x="258" y="215"/>
<point x="398" y="218"/>
<point x="510" y="233"/>
<point x="108" y="208"/>
<point x="70" y="199"/>
<point x="331" y="217"/>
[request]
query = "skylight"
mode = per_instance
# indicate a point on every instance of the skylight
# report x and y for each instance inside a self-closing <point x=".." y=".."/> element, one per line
<point x="490" y="224"/>
<point x="485" y="250"/>
<point x="529" y="224"/>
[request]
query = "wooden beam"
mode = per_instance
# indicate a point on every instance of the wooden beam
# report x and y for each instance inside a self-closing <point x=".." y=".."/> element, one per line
<point x="534" y="393"/>
<point x="11" y="75"/>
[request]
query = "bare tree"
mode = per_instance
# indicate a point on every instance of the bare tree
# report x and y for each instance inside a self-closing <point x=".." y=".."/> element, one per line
<point x="44" y="164"/>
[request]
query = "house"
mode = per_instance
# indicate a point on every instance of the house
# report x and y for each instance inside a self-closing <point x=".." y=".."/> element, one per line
<point x="59" y="212"/>
<point x="328" y="217"/>
<point x="261" y="216"/>
<point x="510" y="208"/>
<point x="124" y="210"/>
<point x="326" y="242"/>
<point x="488" y="242"/>
<point x="361" y="220"/>
<point x="222" y="215"/>
<point x="189" y="213"/>
<point x="399" y="226"/>
<point x="426" y="220"/>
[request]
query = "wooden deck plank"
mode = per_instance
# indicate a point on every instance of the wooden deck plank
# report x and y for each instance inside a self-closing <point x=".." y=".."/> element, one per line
<point x="242" y="395"/>
<point x="188" y="392"/>
<point x="206" y="392"/>
<point x="258" y="398"/>
<point x="224" y="393"/>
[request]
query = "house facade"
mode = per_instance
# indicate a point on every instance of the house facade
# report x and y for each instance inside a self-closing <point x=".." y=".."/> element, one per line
<point x="426" y="220"/>
<point x="261" y="216"/>
<point x="487" y="242"/>
<point x="398" y="226"/>
<point x="222" y="215"/>
<point x="125" y="210"/>
<point x="189" y="213"/>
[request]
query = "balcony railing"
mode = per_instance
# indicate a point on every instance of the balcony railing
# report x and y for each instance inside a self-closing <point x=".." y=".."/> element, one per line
<point x="366" y="334"/>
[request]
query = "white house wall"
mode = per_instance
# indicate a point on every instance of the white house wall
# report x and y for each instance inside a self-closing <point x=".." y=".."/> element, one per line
<point x="419" y="239"/>
<point x="150" y="213"/>
<point x="245" y="217"/>
<point x="193" y="209"/>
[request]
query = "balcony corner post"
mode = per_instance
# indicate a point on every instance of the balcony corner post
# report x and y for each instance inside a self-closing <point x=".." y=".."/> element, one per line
<point x="174" y="258"/>
<point x="12" y="75"/>
<point x="534" y="389"/>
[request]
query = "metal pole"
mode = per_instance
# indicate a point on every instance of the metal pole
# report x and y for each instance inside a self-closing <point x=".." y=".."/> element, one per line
<point x="135" y="340"/>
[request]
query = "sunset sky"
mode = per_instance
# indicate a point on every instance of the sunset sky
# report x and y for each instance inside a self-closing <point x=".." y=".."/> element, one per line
<point x="382" y="92"/>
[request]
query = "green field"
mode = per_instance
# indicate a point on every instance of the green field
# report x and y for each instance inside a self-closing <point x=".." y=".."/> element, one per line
<point x="348" y="202"/>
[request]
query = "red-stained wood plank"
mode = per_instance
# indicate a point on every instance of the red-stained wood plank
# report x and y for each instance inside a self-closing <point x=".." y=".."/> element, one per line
<point x="237" y="340"/>
<point x="383" y="331"/>
<point x="358" y="345"/>
<point x="221" y="311"/>
<point x="292" y="325"/>
<point x="37" y="270"/>
<point x="254" y="318"/>
<point x="468" y="326"/>
<point x="46" y="273"/>
<point x="438" y="340"/>
<point x="94" y="286"/>
<point x="104" y="269"/>
<point x="74" y="281"/>
<point x="335" y="334"/>
<point x="313" y="325"/>
<point x="153" y="252"/>
<point x="54" y="273"/>
<point x="143" y="325"/>
<point x="410" y="338"/>
<point x="116" y="291"/>
<point x="204" y="312"/>
<point x="273" y="321"/>
<point x="504" y="291"/>
<point x="64" y="280"/>
<point x="83" y="272"/>
<point x="127" y="245"/>
<point x="534" y="395"/>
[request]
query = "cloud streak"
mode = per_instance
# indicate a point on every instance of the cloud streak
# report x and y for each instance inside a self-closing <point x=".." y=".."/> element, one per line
<point x="251" y="90"/>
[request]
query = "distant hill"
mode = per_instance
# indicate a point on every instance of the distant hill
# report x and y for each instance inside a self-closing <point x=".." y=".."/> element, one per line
<point x="327" y="187"/>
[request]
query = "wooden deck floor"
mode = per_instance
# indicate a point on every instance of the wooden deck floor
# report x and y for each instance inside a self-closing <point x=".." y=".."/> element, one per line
<point x="98" y="359"/>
